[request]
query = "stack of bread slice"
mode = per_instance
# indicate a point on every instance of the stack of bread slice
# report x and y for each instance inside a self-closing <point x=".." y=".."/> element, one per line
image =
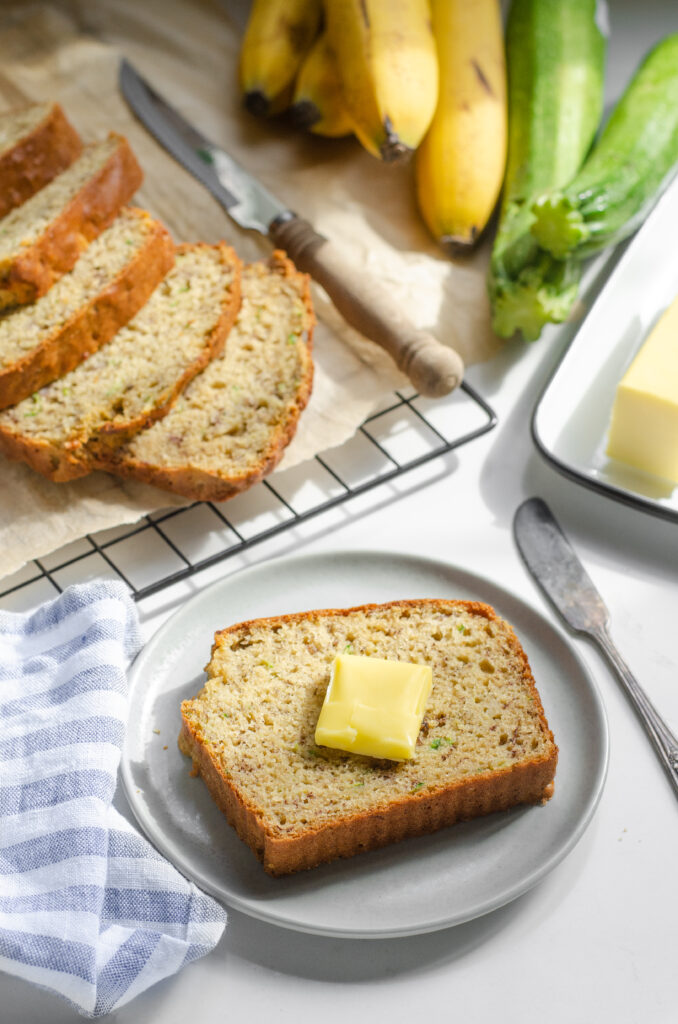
<point x="122" y="352"/>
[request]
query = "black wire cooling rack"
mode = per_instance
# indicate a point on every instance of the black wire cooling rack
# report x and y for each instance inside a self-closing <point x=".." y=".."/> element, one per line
<point x="165" y="547"/>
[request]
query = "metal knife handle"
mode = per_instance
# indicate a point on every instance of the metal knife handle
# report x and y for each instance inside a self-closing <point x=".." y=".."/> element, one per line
<point x="665" y="743"/>
<point x="433" y="368"/>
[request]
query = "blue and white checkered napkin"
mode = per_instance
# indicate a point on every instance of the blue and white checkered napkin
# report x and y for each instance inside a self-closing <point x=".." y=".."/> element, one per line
<point x="87" y="907"/>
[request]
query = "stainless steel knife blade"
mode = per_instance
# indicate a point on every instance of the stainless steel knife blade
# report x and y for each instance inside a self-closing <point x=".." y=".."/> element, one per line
<point x="554" y="565"/>
<point x="248" y="203"/>
<point x="433" y="368"/>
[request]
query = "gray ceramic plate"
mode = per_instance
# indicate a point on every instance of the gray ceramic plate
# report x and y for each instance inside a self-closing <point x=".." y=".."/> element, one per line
<point x="418" y="885"/>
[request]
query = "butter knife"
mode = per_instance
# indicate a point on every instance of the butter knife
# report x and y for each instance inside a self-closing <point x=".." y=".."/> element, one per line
<point x="552" y="561"/>
<point x="433" y="368"/>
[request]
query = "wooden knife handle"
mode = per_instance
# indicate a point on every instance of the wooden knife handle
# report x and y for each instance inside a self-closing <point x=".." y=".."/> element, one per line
<point x="433" y="368"/>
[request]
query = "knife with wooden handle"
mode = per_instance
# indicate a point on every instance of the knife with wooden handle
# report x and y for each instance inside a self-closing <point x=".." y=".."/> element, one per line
<point x="433" y="368"/>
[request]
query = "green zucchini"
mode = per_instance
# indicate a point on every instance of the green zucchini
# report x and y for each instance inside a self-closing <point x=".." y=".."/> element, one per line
<point x="555" y="59"/>
<point x="636" y="152"/>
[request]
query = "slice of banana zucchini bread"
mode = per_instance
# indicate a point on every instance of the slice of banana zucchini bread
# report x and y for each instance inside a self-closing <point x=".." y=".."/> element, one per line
<point x="484" y="744"/>
<point x="111" y="281"/>
<point x="36" y="143"/>
<point x="134" y="379"/>
<point x="233" y="422"/>
<point x="42" y="239"/>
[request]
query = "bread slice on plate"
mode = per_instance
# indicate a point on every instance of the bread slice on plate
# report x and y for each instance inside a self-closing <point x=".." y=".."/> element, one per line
<point x="231" y="425"/>
<point x="36" y="143"/>
<point x="484" y="744"/>
<point x="83" y="310"/>
<point x="134" y="379"/>
<point x="42" y="239"/>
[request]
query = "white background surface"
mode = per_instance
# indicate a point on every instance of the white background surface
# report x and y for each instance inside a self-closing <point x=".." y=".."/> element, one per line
<point x="597" y="940"/>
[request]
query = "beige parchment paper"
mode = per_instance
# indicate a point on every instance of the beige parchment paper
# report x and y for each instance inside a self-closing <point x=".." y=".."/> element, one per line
<point x="69" y="50"/>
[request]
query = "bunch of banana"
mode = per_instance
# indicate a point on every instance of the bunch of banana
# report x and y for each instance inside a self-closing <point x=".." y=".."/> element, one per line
<point x="389" y="70"/>
<point x="317" y="103"/>
<point x="372" y="70"/>
<point x="278" y="37"/>
<point x="460" y="163"/>
<point x="402" y="75"/>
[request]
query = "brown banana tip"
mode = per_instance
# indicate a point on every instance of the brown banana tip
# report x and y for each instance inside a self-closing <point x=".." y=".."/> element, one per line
<point x="305" y="114"/>
<point x="392" y="151"/>
<point x="257" y="103"/>
<point x="392" y="148"/>
<point x="455" y="245"/>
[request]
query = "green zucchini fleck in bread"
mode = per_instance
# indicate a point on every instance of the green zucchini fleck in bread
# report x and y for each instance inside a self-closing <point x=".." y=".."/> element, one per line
<point x="233" y="422"/>
<point x="134" y="379"/>
<point x="83" y="310"/>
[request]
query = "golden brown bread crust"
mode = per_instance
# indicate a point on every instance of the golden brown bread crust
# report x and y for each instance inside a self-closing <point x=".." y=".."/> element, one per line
<point x="412" y="815"/>
<point x="112" y="434"/>
<point x="94" y="324"/>
<point x="33" y="272"/>
<point x="43" y="458"/>
<point x="31" y="164"/>
<point x="199" y="485"/>
<point x="77" y="459"/>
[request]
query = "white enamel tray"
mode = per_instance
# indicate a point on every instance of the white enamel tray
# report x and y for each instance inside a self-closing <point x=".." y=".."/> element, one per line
<point x="415" y="886"/>
<point x="572" y="417"/>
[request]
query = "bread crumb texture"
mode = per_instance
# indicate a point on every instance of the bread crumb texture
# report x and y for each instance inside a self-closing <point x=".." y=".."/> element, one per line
<point x="251" y="729"/>
<point x="138" y="369"/>
<point x="16" y="124"/>
<point x="36" y="144"/>
<point x="27" y="327"/>
<point x="27" y="223"/>
<point x="234" y="419"/>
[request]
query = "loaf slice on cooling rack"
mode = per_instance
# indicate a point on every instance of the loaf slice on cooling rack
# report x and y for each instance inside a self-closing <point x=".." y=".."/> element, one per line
<point x="484" y="743"/>
<point x="231" y="425"/>
<point x="134" y="379"/>
<point x="83" y="309"/>
<point x="42" y="239"/>
<point x="37" y="142"/>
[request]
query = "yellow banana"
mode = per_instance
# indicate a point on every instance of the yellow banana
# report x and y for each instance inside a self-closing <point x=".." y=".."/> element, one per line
<point x="278" y="36"/>
<point x="317" y="103"/>
<point x="387" y="61"/>
<point x="460" y="163"/>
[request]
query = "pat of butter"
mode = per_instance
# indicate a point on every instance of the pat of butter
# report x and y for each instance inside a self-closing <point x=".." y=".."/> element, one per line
<point x="644" y="428"/>
<point x="374" y="707"/>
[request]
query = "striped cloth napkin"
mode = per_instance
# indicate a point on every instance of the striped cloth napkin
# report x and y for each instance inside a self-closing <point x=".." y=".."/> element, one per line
<point x="87" y="907"/>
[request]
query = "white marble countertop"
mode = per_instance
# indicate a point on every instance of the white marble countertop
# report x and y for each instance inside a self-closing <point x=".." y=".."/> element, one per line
<point x="596" y="940"/>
